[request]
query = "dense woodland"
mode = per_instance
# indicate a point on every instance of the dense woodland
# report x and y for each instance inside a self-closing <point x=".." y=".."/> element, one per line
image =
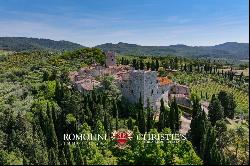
<point x="38" y="106"/>
<point x="31" y="44"/>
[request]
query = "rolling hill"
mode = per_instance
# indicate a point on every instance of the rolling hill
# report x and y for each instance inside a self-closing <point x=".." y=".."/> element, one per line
<point x="24" y="44"/>
<point x="230" y="50"/>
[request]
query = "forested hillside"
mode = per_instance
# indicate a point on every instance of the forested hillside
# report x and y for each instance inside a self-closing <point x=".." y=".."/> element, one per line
<point x="230" y="50"/>
<point x="29" y="44"/>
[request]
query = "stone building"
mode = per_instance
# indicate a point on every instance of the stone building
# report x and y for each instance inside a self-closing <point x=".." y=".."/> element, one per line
<point x="132" y="83"/>
<point x="138" y="84"/>
<point x="181" y="94"/>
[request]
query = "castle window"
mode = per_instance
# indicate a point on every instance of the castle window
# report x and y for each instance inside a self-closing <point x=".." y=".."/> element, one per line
<point x="132" y="91"/>
<point x="152" y="91"/>
<point x="112" y="59"/>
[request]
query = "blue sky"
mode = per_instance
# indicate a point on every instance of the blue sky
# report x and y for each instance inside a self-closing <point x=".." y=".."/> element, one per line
<point x="144" y="22"/>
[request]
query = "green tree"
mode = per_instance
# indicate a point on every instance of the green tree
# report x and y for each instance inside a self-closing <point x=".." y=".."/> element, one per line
<point x="141" y="65"/>
<point x="137" y="147"/>
<point x="141" y="117"/>
<point x="228" y="103"/>
<point x="53" y="160"/>
<point x="174" y="122"/>
<point x="215" y="110"/>
<point x="149" y="117"/>
<point x="153" y="152"/>
<point x="62" y="158"/>
<point x="153" y="66"/>
<point x="177" y="115"/>
<point x="68" y="155"/>
<point x="78" y="156"/>
<point x="198" y="129"/>
<point x="130" y="123"/>
<point x="157" y="65"/>
<point x="207" y="142"/>
<point x="196" y="107"/>
<point x="162" y="118"/>
<point x="45" y="76"/>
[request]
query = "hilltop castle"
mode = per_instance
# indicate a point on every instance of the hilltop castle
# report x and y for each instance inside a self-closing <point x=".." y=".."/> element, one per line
<point x="132" y="83"/>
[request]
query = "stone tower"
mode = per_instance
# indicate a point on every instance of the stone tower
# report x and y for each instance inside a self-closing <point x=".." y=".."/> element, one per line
<point x="141" y="83"/>
<point x="110" y="58"/>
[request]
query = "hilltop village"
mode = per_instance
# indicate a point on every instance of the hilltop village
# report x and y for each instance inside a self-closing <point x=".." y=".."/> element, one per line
<point x="132" y="83"/>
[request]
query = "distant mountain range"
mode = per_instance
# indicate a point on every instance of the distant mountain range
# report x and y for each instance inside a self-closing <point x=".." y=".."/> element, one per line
<point x="229" y="50"/>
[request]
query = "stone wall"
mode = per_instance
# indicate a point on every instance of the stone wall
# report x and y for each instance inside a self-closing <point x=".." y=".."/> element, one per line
<point x="140" y="83"/>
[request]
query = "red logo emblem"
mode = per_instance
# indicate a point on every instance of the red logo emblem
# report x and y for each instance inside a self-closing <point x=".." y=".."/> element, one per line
<point x="122" y="136"/>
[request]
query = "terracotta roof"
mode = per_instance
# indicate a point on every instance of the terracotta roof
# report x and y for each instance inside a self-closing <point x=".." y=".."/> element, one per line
<point x="164" y="80"/>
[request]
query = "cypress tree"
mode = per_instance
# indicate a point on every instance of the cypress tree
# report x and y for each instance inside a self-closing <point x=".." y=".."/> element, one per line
<point x="62" y="158"/>
<point x="116" y="120"/>
<point x="25" y="161"/>
<point x="172" y="118"/>
<point x="228" y="103"/>
<point x="153" y="66"/>
<point x="68" y="155"/>
<point x="141" y="122"/>
<point x="208" y="141"/>
<point x="78" y="156"/>
<point x="148" y="65"/>
<point x="196" y="107"/>
<point x="53" y="75"/>
<point x="177" y="115"/>
<point x="161" y="124"/>
<point x="106" y="124"/>
<point x="215" y="110"/>
<point x="57" y="92"/>
<point x="141" y="117"/>
<point x="51" y="134"/>
<point x="198" y="129"/>
<point x="122" y="61"/>
<point x="130" y="123"/>
<point x="134" y="63"/>
<point x="45" y="76"/>
<point x="141" y="65"/>
<point x="53" y="160"/>
<point x="185" y="67"/>
<point x="157" y="65"/>
<point x="149" y="117"/>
